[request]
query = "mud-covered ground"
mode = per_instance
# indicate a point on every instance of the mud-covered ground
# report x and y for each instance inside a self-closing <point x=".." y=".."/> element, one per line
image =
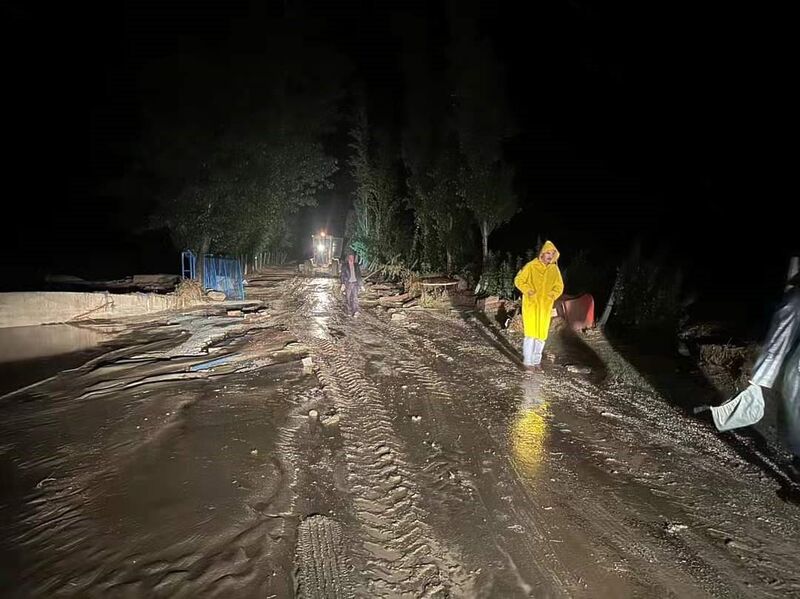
<point x="295" y="451"/>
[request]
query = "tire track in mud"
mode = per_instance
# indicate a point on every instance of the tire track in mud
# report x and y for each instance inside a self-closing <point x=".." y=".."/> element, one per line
<point x="324" y="571"/>
<point x="434" y="408"/>
<point x="402" y="556"/>
<point x="396" y="552"/>
<point x="447" y="474"/>
<point x="449" y="471"/>
<point x="446" y="471"/>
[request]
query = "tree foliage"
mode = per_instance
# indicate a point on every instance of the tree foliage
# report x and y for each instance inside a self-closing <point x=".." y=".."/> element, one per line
<point x="482" y="121"/>
<point x="241" y="149"/>
<point x="375" y="229"/>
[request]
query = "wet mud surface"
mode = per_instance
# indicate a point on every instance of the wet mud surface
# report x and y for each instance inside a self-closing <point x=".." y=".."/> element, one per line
<point x="299" y="452"/>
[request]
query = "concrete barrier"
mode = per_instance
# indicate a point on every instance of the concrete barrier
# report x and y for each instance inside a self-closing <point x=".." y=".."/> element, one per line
<point x="21" y="309"/>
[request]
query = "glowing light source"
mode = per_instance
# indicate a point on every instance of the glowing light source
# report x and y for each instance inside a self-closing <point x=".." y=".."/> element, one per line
<point x="321" y="247"/>
<point x="322" y="234"/>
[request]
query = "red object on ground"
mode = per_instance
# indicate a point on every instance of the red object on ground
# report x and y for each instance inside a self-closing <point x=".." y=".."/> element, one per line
<point x="577" y="310"/>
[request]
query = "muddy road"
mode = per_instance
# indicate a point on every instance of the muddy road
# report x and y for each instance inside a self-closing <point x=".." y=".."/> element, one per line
<point x="296" y="452"/>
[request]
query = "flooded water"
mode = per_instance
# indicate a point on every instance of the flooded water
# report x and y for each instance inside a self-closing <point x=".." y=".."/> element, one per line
<point x="31" y="354"/>
<point x="26" y="343"/>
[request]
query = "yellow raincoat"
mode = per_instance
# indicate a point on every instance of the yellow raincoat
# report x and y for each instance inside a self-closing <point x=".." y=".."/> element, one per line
<point x="545" y="280"/>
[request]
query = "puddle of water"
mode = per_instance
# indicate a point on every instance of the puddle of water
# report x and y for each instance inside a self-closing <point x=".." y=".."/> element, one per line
<point x="529" y="429"/>
<point x="31" y="354"/>
<point x="27" y="343"/>
<point x="322" y="305"/>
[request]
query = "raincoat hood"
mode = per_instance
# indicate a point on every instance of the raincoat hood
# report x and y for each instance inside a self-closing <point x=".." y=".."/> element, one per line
<point x="549" y="245"/>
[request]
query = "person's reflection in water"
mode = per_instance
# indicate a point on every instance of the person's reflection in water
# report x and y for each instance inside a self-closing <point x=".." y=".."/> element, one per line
<point x="529" y="429"/>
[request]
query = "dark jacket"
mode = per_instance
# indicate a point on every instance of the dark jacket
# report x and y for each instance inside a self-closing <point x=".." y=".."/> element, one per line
<point x="345" y="273"/>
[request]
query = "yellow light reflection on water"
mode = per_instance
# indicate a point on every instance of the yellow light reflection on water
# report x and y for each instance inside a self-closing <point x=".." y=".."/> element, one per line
<point x="529" y="429"/>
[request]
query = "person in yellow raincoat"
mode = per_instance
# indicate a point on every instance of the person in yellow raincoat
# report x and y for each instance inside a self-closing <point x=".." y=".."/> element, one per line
<point x="541" y="285"/>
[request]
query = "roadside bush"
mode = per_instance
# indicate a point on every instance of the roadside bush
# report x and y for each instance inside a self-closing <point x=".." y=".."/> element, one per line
<point x="498" y="278"/>
<point x="647" y="298"/>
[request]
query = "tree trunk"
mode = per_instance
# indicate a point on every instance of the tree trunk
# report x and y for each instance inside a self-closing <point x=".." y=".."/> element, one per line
<point x="794" y="268"/>
<point x="448" y="244"/>
<point x="485" y="240"/>
<point x="610" y="304"/>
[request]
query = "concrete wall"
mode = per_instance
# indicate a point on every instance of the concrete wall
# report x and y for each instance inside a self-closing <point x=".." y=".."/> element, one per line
<point x="47" y="307"/>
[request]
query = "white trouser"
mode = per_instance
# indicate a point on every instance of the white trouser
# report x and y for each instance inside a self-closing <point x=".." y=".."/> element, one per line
<point x="532" y="349"/>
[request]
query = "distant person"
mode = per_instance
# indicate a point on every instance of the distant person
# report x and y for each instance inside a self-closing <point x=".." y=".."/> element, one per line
<point x="351" y="284"/>
<point x="541" y="285"/>
<point x="777" y="368"/>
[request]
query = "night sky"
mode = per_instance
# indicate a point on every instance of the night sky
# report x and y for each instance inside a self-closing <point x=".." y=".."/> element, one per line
<point x="634" y="122"/>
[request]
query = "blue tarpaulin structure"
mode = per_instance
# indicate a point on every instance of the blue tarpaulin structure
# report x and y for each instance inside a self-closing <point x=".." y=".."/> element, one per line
<point x="220" y="273"/>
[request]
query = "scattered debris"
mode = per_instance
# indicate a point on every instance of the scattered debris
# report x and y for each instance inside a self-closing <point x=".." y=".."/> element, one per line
<point x="296" y="347"/>
<point x="308" y="365"/>
<point x="386" y="289"/>
<point x="610" y="415"/>
<point x="575" y="369"/>
<point x="189" y="291"/>
<point x="394" y="300"/>
<point x="490" y="303"/>
<point x="332" y="420"/>
<point x="210" y="364"/>
<point x="674" y="528"/>
<point x="734" y="544"/>
<point x="42" y="482"/>
<point x="215" y="296"/>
